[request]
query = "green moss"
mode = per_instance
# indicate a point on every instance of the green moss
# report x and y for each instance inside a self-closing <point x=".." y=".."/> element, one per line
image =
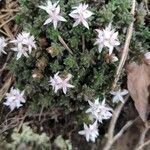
<point x="92" y="76"/>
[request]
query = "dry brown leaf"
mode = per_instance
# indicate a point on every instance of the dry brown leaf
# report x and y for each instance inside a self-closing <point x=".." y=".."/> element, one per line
<point x="138" y="81"/>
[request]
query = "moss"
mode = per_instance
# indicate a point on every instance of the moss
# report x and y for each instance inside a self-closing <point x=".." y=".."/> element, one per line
<point x="92" y="75"/>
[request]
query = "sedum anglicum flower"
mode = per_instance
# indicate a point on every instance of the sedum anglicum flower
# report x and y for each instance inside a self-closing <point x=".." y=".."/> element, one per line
<point x="90" y="132"/>
<point x="3" y="44"/>
<point x="49" y="6"/>
<point x="24" y="44"/>
<point x="14" y="99"/>
<point x="118" y="95"/>
<point x="60" y="83"/>
<point x="99" y="111"/>
<point x="107" y="38"/>
<point x="53" y="11"/>
<point x="80" y="15"/>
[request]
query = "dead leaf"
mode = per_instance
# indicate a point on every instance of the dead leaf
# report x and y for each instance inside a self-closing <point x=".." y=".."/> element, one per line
<point x="138" y="81"/>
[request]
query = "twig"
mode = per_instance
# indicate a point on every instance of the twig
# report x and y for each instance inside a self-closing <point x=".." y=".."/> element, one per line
<point x="10" y="10"/>
<point x="41" y="113"/>
<point x="64" y="44"/>
<point x="143" y="145"/>
<point x="142" y="137"/>
<point x="7" y="21"/>
<point x="126" y="48"/>
<point x="22" y="121"/>
<point x="83" y="43"/>
<point x="146" y="5"/>
<point x="2" y="16"/>
<point x="4" y="32"/>
<point x="124" y="128"/>
<point x="113" y="122"/>
<point x="6" y="28"/>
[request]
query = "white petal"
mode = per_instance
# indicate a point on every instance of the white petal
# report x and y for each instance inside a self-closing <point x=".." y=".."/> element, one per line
<point x="85" y="23"/>
<point x="124" y="92"/>
<point x="77" y="22"/>
<point x="49" y="20"/>
<point x="113" y="93"/>
<point x="100" y="47"/>
<point x="82" y="132"/>
<point x="70" y="86"/>
<point x="61" y="18"/>
<point x="65" y="89"/>
<point x="111" y="50"/>
<point x="87" y="14"/>
<point x="121" y="99"/>
<point x="19" y="55"/>
<point x="115" y="99"/>
<point x="57" y="9"/>
<point x="42" y="7"/>
<point x="55" y="24"/>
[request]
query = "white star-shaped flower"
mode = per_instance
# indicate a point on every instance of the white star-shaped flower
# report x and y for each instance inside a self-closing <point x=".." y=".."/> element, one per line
<point x="107" y="38"/>
<point x="24" y="44"/>
<point x="49" y="6"/>
<point x="53" y="11"/>
<point x="99" y="111"/>
<point x="118" y="95"/>
<point x="14" y="98"/>
<point x="81" y="14"/>
<point x="60" y="83"/>
<point x="91" y="132"/>
<point x="3" y="44"/>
